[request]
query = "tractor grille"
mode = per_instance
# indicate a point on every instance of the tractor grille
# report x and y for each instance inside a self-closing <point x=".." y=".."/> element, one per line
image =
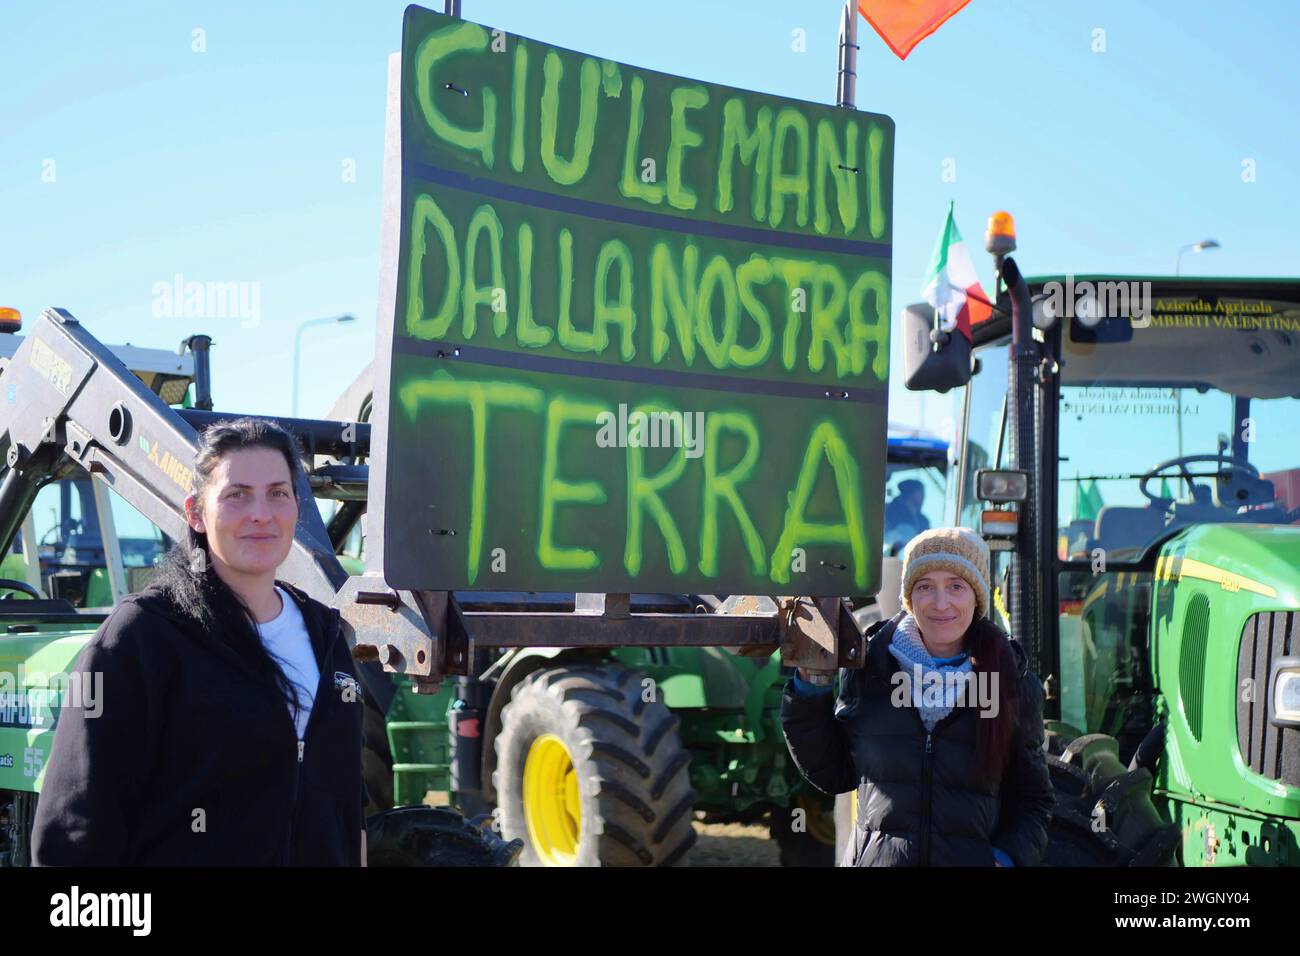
<point x="1191" y="662"/>
<point x="1269" y="750"/>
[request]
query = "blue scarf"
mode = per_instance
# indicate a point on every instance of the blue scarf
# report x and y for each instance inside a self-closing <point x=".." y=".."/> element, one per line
<point x="918" y="664"/>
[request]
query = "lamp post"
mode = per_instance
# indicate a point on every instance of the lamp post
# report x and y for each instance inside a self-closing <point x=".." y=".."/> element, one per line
<point x="297" y="348"/>
<point x="1194" y="247"/>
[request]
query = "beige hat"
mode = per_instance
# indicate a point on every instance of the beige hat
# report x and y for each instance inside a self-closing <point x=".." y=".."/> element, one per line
<point x="958" y="551"/>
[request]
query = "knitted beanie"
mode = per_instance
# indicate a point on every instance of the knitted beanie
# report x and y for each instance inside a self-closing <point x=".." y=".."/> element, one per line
<point x="958" y="551"/>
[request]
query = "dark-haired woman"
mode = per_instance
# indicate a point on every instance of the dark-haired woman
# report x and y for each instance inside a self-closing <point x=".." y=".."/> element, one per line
<point x="229" y="731"/>
<point x="940" y="732"/>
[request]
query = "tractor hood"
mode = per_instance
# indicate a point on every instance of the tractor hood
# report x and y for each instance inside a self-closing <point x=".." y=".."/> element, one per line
<point x="1258" y="558"/>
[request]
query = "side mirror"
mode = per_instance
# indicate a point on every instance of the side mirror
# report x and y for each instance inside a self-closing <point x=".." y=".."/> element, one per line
<point x="925" y="367"/>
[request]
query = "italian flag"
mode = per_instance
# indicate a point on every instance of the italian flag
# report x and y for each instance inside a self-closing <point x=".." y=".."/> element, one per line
<point x="952" y="286"/>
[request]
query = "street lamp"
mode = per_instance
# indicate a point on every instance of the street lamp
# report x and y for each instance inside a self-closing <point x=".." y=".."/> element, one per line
<point x="297" y="349"/>
<point x="1194" y="247"/>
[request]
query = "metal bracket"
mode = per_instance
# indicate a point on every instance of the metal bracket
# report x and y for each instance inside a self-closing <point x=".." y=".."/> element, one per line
<point x="820" y="634"/>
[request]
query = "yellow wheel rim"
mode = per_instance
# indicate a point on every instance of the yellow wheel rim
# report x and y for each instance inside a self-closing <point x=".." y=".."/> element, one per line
<point x="821" y="822"/>
<point x="552" y="809"/>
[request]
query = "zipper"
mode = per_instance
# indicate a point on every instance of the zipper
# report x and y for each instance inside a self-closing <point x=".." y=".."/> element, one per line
<point x="331" y="637"/>
<point x="927" y="771"/>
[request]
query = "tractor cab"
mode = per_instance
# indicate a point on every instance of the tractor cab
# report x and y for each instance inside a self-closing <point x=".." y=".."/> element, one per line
<point x="1127" y="447"/>
<point x="1172" y="408"/>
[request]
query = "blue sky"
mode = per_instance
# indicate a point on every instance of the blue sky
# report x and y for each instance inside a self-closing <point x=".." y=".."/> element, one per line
<point x="227" y="165"/>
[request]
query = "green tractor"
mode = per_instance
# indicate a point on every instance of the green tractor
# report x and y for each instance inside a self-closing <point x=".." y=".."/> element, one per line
<point x="1127" y="447"/>
<point x="79" y="546"/>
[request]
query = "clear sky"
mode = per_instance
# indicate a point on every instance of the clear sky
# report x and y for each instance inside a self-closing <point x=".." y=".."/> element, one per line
<point x="130" y="158"/>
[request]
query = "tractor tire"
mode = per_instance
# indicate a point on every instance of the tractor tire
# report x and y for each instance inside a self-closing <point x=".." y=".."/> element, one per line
<point x="1103" y="814"/>
<point x="590" y="774"/>
<point x="435" y="836"/>
<point x="376" y="759"/>
<point x="812" y="841"/>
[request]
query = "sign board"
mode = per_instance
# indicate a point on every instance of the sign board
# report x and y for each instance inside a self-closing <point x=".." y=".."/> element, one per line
<point x="640" y="336"/>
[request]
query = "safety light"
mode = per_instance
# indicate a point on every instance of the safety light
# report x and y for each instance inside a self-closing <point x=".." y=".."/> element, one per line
<point x="11" y="320"/>
<point x="998" y="528"/>
<point x="1284" y="691"/>
<point x="1001" y="486"/>
<point x="1000" y="236"/>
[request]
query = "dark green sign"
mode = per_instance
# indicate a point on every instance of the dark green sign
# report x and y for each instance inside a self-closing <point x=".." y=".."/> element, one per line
<point x="641" y="336"/>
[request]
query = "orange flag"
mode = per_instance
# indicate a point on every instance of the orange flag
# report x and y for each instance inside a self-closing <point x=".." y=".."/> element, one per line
<point x="904" y="23"/>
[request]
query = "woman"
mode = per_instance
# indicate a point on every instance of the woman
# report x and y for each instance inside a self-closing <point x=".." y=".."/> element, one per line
<point x="940" y="731"/>
<point x="230" y="726"/>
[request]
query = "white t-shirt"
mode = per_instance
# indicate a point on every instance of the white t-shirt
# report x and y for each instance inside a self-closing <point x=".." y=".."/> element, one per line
<point x="286" y="639"/>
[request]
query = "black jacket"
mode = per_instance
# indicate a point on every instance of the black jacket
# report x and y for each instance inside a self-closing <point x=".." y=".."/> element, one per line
<point x="194" y="759"/>
<point x="919" y="806"/>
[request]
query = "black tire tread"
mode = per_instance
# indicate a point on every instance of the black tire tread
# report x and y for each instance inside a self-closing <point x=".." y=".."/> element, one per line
<point x="634" y="773"/>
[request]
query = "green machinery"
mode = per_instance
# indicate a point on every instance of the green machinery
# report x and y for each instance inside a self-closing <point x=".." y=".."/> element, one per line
<point x="97" y="442"/>
<point x="1128" y="449"/>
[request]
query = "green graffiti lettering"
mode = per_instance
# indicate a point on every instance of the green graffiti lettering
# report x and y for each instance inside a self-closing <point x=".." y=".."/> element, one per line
<point x="721" y="487"/>
<point x="794" y="182"/>
<point x="755" y="271"/>
<point x="827" y="442"/>
<point x="631" y="185"/>
<point x="682" y="138"/>
<point x="875" y="181"/>
<point x="479" y="397"/>
<point x="569" y="337"/>
<point x="829" y="291"/>
<point x="717" y="275"/>
<point x="557" y="491"/>
<point x="529" y="334"/>
<point x="673" y="292"/>
<point x="425" y="213"/>
<point x="754" y="148"/>
<point x="518" y="106"/>
<point x="484" y="222"/>
<point x="614" y="252"/>
<point x="643" y="498"/>
<point x="433" y="49"/>
<point x="795" y="272"/>
<point x="611" y="78"/>
<point x="830" y="160"/>
<point x="566" y="172"/>
<point x="869" y="329"/>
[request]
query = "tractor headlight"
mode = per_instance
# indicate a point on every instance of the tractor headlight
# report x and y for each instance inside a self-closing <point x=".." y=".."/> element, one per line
<point x="1284" y="691"/>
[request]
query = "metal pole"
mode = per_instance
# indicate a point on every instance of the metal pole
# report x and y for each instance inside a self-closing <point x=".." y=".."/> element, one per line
<point x="451" y="8"/>
<point x="847" y="78"/>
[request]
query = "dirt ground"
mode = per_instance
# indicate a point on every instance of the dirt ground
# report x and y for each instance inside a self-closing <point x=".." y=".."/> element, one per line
<point x="733" y="844"/>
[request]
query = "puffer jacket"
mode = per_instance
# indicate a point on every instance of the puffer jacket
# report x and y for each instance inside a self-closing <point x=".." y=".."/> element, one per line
<point x="195" y="759"/>
<point x="920" y="800"/>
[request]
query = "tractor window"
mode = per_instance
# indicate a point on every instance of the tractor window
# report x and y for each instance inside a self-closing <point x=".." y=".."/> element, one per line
<point x="142" y="544"/>
<point x="914" y="495"/>
<point x="982" y="428"/>
<point x="1138" y="462"/>
<point x="1104" y="679"/>
<point x="72" y="549"/>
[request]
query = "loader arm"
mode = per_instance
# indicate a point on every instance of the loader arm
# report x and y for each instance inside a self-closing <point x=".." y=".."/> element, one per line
<point x="70" y="401"/>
